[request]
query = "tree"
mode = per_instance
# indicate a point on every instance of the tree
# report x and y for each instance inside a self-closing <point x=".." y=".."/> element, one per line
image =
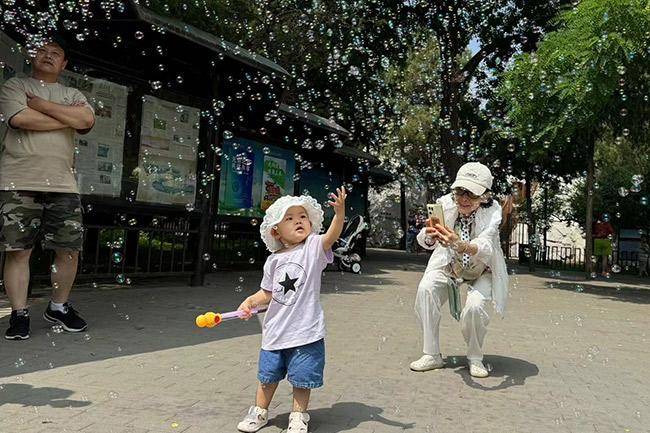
<point x="500" y="29"/>
<point x="411" y="139"/>
<point x="620" y="188"/>
<point x="337" y="51"/>
<point x="412" y="133"/>
<point x="587" y="80"/>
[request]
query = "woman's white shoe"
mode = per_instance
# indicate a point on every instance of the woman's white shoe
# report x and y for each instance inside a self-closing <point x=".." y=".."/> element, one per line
<point x="427" y="362"/>
<point x="477" y="369"/>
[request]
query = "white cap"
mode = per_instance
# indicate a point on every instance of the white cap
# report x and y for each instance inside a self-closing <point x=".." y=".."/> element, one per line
<point x="278" y="209"/>
<point x="474" y="177"/>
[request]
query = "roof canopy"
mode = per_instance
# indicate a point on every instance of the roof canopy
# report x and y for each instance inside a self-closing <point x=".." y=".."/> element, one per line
<point x="315" y="120"/>
<point x="353" y="152"/>
<point x="208" y="40"/>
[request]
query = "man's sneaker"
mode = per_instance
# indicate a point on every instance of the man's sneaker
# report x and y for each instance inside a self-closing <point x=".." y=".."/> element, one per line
<point x="298" y="422"/>
<point x="255" y="419"/>
<point x="477" y="369"/>
<point x="427" y="362"/>
<point x="69" y="321"/>
<point x="18" y="326"/>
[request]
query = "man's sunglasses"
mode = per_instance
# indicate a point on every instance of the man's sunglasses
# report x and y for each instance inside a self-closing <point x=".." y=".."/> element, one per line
<point x="460" y="192"/>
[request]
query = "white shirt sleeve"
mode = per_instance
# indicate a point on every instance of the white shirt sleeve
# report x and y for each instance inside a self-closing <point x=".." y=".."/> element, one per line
<point x="422" y="240"/>
<point x="485" y="240"/>
<point x="267" y="278"/>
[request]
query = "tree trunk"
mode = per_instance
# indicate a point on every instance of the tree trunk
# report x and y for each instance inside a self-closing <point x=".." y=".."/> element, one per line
<point x="589" y="214"/>
<point x="452" y="81"/>
<point x="449" y="140"/>
<point x="531" y="224"/>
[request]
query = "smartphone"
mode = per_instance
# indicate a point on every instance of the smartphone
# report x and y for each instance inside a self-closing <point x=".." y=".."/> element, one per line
<point x="435" y="211"/>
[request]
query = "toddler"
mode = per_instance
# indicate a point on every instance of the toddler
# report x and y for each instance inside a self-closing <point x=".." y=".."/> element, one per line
<point x="294" y="327"/>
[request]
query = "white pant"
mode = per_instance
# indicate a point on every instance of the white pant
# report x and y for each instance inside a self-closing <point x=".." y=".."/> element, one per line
<point x="432" y="295"/>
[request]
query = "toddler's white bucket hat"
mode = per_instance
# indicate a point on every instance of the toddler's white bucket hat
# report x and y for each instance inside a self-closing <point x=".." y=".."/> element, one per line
<point x="278" y="209"/>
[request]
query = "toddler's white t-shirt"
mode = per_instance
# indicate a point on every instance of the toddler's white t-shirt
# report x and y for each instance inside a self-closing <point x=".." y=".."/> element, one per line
<point x="295" y="315"/>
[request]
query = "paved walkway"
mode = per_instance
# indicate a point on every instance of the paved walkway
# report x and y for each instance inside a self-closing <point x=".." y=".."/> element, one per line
<point x="571" y="356"/>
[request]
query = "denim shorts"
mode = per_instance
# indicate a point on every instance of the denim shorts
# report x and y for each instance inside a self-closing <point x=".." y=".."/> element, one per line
<point x="303" y="365"/>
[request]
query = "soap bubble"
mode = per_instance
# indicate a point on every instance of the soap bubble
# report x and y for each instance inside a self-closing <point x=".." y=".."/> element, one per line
<point x="117" y="257"/>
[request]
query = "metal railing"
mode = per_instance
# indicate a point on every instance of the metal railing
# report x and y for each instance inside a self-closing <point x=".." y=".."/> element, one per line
<point x="117" y="252"/>
<point x="566" y="257"/>
<point x="233" y="243"/>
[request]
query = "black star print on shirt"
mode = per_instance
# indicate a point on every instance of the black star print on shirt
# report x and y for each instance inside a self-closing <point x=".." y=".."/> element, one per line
<point x="288" y="283"/>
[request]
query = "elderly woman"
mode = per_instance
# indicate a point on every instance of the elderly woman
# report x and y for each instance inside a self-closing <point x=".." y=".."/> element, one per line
<point x="465" y="251"/>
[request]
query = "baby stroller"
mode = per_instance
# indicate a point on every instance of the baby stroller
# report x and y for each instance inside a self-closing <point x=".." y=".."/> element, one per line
<point x="345" y="259"/>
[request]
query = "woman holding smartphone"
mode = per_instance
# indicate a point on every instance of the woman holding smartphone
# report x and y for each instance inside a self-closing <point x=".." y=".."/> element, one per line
<point x="466" y="251"/>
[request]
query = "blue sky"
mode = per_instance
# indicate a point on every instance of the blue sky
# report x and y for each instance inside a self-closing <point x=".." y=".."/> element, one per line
<point x="474" y="46"/>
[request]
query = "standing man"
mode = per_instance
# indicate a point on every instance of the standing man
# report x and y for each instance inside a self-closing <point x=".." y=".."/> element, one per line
<point x="39" y="198"/>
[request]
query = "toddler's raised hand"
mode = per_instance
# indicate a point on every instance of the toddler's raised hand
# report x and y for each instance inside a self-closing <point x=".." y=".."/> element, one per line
<point x="338" y="202"/>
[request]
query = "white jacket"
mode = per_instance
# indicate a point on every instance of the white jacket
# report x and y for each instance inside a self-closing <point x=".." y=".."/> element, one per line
<point x="486" y="238"/>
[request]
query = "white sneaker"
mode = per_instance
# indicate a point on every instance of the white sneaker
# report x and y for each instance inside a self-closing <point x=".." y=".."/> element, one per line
<point x="255" y="419"/>
<point x="298" y="422"/>
<point x="427" y="362"/>
<point x="477" y="369"/>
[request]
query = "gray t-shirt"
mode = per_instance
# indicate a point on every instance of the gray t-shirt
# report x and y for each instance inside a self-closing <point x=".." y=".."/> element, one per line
<point x="37" y="160"/>
<point x="295" y="315"/>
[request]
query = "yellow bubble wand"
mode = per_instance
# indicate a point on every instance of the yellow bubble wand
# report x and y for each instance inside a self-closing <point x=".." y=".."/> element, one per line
<point x="210" y="319"/>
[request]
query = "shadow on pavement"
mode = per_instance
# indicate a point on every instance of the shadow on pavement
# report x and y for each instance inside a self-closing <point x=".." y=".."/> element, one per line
<point x="158" y="316"/>
<point x="346" y="416"/>
<point x="618" y="293"/>
<point x="512" y="371"/>
<point x="126" y="321"/>
<point x="27" y="395"/>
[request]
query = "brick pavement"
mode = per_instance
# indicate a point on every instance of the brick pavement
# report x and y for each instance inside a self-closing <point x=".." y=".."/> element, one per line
<point x="569" y="357"/>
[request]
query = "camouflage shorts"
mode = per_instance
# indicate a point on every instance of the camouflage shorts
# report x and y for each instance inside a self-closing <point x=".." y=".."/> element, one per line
<point x="52" y="217"/>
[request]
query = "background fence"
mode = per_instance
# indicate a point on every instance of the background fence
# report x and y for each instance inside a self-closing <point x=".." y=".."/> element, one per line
<point x="567" y="257"/>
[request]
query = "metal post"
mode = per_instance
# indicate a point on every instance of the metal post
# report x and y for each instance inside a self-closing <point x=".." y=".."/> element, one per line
<point x="207" y="205"/>
<point x="531" y="224"/>
<point x="402" y="199"/>
<point x="545" y="226"/>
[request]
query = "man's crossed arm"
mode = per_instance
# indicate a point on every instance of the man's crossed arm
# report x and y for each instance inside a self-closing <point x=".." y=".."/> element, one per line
<point x="43" y="115"/>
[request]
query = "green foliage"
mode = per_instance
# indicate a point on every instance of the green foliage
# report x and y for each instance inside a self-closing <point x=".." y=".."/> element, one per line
<point x="336" y="50"/>
<point x="578" y="83"/>
<point x="615" y="192"/>
<point x="586" y="83"/>
<point x="412" y="134"/>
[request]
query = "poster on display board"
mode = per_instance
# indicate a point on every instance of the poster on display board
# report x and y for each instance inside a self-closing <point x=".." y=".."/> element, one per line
<point x="12" y="63"/>
<point x="169" y="139"/>
<point x="356" y="202"/>
<point x="253" y="176"/>
<point x="98" y="154"/>
<point x="318" y="182"/>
